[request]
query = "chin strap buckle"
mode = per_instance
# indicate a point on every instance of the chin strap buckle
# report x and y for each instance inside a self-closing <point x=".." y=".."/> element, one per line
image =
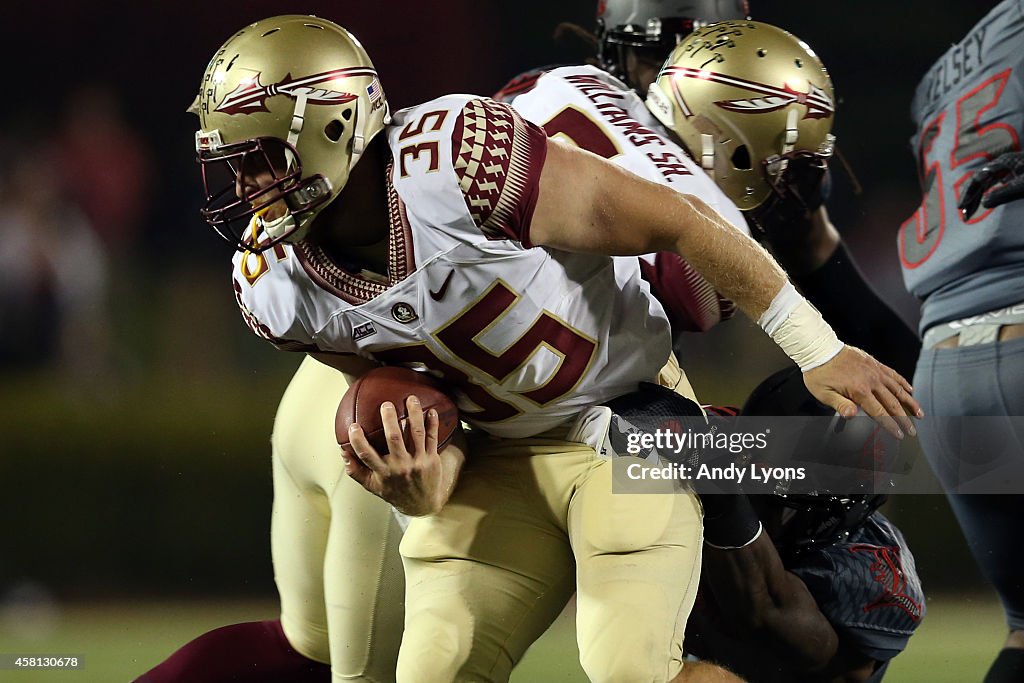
<point x="312" y="192"/>
<point x="707" y="152"/>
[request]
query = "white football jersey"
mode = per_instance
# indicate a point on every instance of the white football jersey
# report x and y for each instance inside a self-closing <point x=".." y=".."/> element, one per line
<point x="592" y="109"/>
<point x="526" y="336"/>
<point x="596" y="111"/>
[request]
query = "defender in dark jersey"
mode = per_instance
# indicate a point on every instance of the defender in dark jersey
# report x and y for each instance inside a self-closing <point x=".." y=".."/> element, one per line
<point x="835" y="609"/>
<point x="969" y="272"/>
<point x="794" y="588"/>
<point x="829" y="592"/>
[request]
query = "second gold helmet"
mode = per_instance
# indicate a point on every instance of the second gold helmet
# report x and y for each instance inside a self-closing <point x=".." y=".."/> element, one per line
<point x="745" y="98"/>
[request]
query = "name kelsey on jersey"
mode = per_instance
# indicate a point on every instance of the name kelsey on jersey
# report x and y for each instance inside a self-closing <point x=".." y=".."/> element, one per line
<point x="958" y="63"/>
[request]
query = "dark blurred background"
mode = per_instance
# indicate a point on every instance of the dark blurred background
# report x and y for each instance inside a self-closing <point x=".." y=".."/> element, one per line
<point x="136" y="409"/>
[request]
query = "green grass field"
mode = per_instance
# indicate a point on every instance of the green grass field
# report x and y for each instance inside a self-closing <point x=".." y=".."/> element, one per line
<point x="119" y="640"/>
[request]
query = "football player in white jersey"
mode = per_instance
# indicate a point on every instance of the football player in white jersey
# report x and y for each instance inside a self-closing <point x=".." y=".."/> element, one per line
<point x="594" y="110"/>
<point x="465" y="188"/>
<point x="632" y="41"/>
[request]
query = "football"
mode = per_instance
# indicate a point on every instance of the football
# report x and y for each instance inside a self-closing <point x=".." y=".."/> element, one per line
<point x="361" y="404"/>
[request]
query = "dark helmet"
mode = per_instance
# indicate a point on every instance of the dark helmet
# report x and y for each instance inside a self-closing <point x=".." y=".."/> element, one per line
<point x="655" y="25"/>
<point x="810" y="520"/>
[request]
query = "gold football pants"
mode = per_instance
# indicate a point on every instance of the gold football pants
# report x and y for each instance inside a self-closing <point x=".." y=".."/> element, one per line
<point x="531" y="521"/>
<point x="335" y="546"/>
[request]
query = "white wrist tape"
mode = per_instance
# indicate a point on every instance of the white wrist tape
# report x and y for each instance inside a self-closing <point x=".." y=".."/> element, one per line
<point x="799" y="330"/>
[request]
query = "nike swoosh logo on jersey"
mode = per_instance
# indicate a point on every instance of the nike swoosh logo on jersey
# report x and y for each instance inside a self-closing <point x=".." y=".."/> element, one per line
<point x="439" y="294"/>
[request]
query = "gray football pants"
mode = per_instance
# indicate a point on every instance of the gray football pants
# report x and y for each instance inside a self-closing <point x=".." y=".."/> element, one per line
<point x="981" y="380"/>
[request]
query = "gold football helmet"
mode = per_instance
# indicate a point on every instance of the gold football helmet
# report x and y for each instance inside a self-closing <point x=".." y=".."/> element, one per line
<point x="746" y="98"/>
<point x="286" y="108"/>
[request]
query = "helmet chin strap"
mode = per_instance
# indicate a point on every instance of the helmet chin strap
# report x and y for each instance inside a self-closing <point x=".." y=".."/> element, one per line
<point x="358" y="138"/>
<point x="295" y="127"/>
<point x="792" y="132"/>
<point x="298" y="118"/>
<point x="707" y="152"/>
<point x="287" y="227"/>
<point x="789" y="141"/>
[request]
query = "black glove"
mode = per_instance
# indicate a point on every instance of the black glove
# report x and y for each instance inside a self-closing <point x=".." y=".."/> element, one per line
<point x="999" y="181"/>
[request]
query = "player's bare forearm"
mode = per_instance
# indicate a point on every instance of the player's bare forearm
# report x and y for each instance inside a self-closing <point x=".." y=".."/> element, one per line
<point x="587" y="204"/>
<point x="766" y="602"/>
<point x="735" y="264"/>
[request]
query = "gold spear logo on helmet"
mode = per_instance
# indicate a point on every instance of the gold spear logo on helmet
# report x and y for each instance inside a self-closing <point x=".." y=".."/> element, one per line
<point x="251" y="96"/>
<point x="817" y="101"/>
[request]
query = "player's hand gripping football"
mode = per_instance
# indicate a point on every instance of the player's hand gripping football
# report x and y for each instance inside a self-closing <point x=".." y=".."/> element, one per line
<point x="853" y="378"/>
<point x="999" y="181"/>
<point x="413" y="476"/>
